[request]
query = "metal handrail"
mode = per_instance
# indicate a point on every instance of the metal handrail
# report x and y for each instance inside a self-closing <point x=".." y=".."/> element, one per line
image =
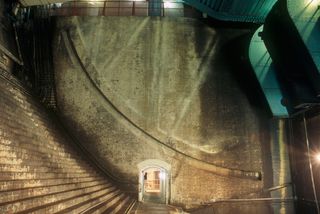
<point x="275" y="188"/>
<point x="119" y="8"/>
<point x="241" y="200"/>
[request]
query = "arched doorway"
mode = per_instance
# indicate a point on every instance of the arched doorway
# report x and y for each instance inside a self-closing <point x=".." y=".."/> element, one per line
<point x="154" y="181"/>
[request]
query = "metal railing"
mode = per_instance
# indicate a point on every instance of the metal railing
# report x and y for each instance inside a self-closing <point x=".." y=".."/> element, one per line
<point x="251" y="205"/>
<point x="122" y="8"/>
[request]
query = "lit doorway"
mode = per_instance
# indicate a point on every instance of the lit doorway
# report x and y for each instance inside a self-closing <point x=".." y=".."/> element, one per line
<point x="153" y="186"/>
<point x="154" y="181"/>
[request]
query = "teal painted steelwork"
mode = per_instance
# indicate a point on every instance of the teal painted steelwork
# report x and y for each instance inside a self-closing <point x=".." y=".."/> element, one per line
<point x="305" y="15"/>
<point x="235" y="10"/>
<point x="154" y="7"/>
<point x="266" y="75"/>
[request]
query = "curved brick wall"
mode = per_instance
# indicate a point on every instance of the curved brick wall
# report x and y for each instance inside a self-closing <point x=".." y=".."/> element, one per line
<point x="139" y="88"/>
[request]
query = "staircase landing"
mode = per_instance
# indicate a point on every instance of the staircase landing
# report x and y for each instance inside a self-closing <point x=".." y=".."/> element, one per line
<point x="151" y="208"/>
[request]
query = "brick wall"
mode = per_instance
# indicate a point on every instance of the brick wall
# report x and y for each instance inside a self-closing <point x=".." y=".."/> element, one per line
<point x="129" y="90"/>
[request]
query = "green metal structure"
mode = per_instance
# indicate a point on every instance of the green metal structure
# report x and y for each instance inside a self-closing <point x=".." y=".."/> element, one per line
<point x="266" y="75"/>
<point x="234" y="10"/>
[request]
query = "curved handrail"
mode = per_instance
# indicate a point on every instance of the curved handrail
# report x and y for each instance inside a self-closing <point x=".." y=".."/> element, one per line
<point x="240" y="200"/>
<point x="195" y="162"/>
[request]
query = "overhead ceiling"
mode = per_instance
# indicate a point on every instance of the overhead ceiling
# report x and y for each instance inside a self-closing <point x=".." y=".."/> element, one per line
<point x="228" y="10"/>
<point x="235" y="10"/>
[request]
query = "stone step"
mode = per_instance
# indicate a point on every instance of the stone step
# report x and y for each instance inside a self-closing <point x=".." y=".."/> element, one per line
<point x="20" y="140"/>
<point x="42" y="162"/>
<point x="32" y="126"/>
<point x="33" y="118"/>
<point x="122" y="203"/>
<point x="8" y="79"/>
<point x="21" y="105"/>
<point x="30" y="130"/>
<point x="41" y="175"/>
<point x="90" y="203"/>
<point x="31" y="153"/>
<point x="25" y="129"/>
<point x="43" y="201"/>
<point x="31" y="183"/>
<point x="10" y="127"/>
<point x="108" y="206"/>
<point x="125" y="207"/>
<point x="26" y="149"/>
<point x="40" y="170"/>
<point x="67" y="202"/>
<point x="19" y="168"/>
<point x="14" y="195"/>
<point x="14" y="158"/>
<point x="25" y="107"/>
<point x="103" y="204"/>
<point x="16" y="93"/>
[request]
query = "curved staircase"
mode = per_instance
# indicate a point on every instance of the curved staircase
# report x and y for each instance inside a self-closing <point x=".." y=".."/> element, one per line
<point x="40" y="170"/>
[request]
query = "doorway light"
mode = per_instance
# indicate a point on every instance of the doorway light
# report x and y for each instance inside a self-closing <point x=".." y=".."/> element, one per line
<point x="162" y="175"/>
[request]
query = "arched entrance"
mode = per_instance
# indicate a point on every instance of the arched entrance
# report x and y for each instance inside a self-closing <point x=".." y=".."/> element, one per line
<point x="154" y="181"/>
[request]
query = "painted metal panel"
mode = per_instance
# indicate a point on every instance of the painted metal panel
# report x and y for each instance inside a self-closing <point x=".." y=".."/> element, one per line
<point x="266" y="75"/>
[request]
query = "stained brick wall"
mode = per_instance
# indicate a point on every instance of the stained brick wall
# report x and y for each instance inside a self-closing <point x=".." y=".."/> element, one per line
<point x="120" y="86"/>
